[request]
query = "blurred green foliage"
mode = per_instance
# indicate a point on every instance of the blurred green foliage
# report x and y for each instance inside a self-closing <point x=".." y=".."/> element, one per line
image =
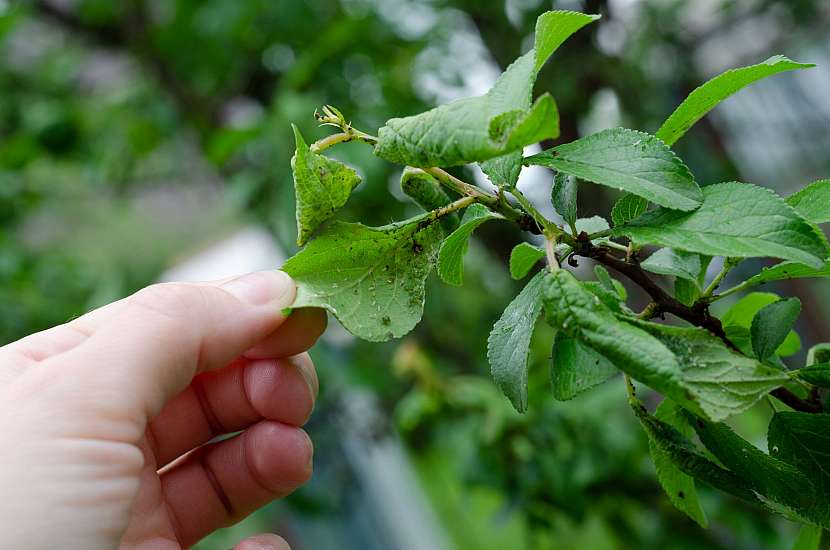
<point x="132" y="133"/>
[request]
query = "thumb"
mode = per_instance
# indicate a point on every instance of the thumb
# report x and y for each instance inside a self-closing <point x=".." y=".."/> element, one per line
<point x="165" y="334"/>
<point x="263" y="542"/>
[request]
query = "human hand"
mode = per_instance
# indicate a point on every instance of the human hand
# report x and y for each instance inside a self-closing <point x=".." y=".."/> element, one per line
<point x="104" y="420"/>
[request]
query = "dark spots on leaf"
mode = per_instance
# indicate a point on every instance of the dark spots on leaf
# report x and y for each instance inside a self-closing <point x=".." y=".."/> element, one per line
<point x="417" y="248"/>
<point x="389" y="335"/>
<point x="681" y="494"/>
<point x="385" y="320"/>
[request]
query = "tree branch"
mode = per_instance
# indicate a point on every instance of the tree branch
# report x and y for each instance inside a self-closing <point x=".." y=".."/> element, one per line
<point x="698" y="314"/>
<point x="132" y="36"/>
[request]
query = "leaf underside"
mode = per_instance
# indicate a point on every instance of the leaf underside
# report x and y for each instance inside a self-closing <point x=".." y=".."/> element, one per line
<point x="813" y="202"/>
<point x="375" y="287"/>
<point x="782" y="486"/>
<point x="737" y="220"/>
<point x="628" y="207"/>
<point x="675" y="263"/>
<point x="576" y="368"/>
<point x="719" y="382"/>
<point x="497" y="124"/>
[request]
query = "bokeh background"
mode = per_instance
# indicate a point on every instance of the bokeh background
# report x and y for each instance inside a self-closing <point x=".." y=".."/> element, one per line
<point x="145" y="140"/>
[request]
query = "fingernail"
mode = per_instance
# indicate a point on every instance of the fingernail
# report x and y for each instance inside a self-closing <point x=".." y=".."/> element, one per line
<point x="263" y="287"/>
<point x="306" y="369"/>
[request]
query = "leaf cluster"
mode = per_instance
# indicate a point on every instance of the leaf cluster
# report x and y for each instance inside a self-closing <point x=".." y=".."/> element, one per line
<point x="708" y="368"/>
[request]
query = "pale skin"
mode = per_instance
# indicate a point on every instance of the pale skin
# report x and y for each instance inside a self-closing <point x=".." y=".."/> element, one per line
<point x="105" y="421"/>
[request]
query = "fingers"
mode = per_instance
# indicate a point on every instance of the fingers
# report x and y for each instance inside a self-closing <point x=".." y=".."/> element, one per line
<point x="42" y="345"/>
<point x="263" y="542"/>
<point x="221" y="483"/>
<point x="298" y="333"/>
<point x="164" y="335"/>
<point x="232" y="399"/>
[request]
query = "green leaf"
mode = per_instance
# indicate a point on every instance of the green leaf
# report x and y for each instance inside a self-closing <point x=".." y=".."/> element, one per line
<point x="579" y="314"/>
<point x="322" y="186"/>
<point x="735" y="220"/>
<point x="473" y="129"/>
<point x="509" y="342"/>
<point x="817" y="375"/>
<point x="522" y="259"/>
<point x="688" y="459"/>
<point x="820" y="353"/>
<point x="605" y="279"/>
<point x="743" y="312"/>
<point x="489" y="126"/>
<point x="686" y="291"/>
<point x="576" y="368"/>
<point x="809" y="538"/>
<point x="719" y="382"/>
<point x="771" y="326"/>
<point x="779" y="482"/>
<point x="679" y="487"/>
<point x="675" y="263"/>
<point x="564" y="196"/>
<point x="427" y="192"/>
<point x="370" y="278"/>
<point x="451" y="257"/>
<point x="627" y="160"/>
<point x="813" y="202"/>
<point x="552" y="29"/>
<point x="788" y="270"/>
<point x="803" y="440"/>
<point x="630" y="206"/>
<point x="707" y="96"/>
<point x="740" y="337"/>
<point x="612" y="298"/>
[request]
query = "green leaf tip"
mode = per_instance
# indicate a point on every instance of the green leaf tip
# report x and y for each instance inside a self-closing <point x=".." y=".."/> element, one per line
<point x="705" y="97"/>
<point x="771" y="326"/>
<point x="454" y="248"/>
<point x="322" y="186"/>
<point x="553" y="28"/>
<point x="509" y="342"/>
<point x="492" y="128"/>
<point x="522" y="259"/>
